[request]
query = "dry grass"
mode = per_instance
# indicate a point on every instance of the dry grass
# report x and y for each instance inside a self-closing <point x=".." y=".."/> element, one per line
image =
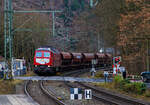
<point x="30" y="73"/>
<point x="147" y="93"/>
<point x="99" y="74"/>
<point x="8" y="86"/>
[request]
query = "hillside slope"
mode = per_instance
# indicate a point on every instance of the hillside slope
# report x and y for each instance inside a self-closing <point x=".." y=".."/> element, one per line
<point x="134" y="26"/>
<point x="76" y="27"/>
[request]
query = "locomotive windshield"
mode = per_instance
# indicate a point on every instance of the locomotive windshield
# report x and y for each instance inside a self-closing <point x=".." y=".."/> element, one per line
<point x="46" y="54"/>
<point x="38" y="54"/>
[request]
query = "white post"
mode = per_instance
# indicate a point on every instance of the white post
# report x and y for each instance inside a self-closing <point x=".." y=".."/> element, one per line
<point x="12" y="69"/>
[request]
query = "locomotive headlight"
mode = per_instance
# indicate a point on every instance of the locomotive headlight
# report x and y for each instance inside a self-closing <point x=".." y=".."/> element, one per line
<point x="35" y="65"/>
<point x="48" y="65"/>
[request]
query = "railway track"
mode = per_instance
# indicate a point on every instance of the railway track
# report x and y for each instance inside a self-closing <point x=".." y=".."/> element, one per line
<point x="106" y="96"/>
<point x="112" y="98"/>
<point x="37" y="92"/>
<point x="99" y="94"/>
<point x="66" y="98"/>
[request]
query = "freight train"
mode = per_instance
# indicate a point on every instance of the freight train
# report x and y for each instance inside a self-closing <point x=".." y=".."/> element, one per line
<point x="49" y="60"/>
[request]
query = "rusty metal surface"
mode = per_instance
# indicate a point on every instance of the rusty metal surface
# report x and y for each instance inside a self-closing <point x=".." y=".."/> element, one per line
<point x="66" y="55"/>
<point x="99" y="55"/>
<point x="77" y="57"/>
<point x="89" y="55"/>
<point x="108" y="55"/>
<point x="56" y="60"/>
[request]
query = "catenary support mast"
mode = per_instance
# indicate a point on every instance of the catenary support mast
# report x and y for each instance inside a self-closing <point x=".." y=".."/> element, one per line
<point x="8" y="25"/>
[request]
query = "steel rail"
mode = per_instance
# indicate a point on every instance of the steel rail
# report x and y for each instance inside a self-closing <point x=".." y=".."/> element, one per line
<point x="50" y="94"/>
<point x="26" y="90"/>
<point x="77" y="73"/>
<point x="120" y="98"/>
<point x="109" y="98"/>
<point x="44" y="91"/>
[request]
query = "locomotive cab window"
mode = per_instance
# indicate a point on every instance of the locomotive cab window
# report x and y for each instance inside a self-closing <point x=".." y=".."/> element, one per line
<point x="38" y="54"/>
<point x="46" y="54"/>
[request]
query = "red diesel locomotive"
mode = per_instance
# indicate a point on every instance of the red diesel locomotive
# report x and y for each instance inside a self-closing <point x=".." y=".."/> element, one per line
<point x="48" y="60"/>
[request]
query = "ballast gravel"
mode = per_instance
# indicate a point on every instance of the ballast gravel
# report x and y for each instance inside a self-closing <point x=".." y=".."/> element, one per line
<point x="63" y="93"/>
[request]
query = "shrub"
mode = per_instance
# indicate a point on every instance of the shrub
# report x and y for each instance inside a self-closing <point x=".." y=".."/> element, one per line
<point x="136" y="88"/>
<point x="133" y="7"/>
<point x="147" y="2"/>
<point x="117" y="80"/>
<point x="140" y="88"/>
<point x="127" y="86"/>
<point x="123" y="82"/>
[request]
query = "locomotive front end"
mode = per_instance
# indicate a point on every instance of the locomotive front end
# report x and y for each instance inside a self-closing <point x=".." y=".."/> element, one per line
<point x="42" y="60"/>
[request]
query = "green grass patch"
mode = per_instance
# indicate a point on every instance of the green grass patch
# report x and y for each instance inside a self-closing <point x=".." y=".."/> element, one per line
<point x="127" y="86"/>
<point x="124" y="86"/>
